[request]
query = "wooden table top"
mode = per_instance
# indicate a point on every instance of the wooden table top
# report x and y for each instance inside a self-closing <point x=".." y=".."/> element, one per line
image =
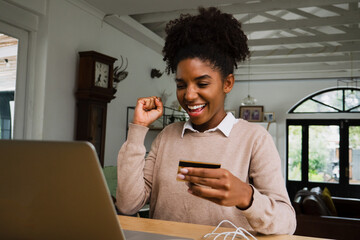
<point x="187" y="230"/>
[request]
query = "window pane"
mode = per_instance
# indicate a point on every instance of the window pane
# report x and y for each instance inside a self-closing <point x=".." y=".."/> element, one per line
<point x="311" y="106"/>
<point x="333" y="98"/>
<point x="354" y="154"/>
<point x="355" y="109"/>
<point x="352" y="99"/>
<point x="294" y="153"/>
<point x="323" y="157"/>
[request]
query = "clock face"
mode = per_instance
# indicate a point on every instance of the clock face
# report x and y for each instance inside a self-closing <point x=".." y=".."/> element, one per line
<point x="101" y="74"/>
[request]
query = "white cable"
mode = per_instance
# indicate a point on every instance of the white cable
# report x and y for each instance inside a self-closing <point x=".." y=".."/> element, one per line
<point x="239" y="232"/>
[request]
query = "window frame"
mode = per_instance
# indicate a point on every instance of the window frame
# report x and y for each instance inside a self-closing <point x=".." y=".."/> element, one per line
<point x="312" y="96"/>
<point x="341" y="189"/>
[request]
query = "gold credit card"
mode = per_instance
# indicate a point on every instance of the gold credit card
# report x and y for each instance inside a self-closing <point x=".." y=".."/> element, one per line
<point x="194" y="164"/>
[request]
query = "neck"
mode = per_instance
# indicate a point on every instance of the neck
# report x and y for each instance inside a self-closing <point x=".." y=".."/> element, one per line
<point x="208" y="125"/>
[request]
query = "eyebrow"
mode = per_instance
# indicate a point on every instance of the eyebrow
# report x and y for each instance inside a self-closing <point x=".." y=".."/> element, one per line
<point x="196" y="79"/>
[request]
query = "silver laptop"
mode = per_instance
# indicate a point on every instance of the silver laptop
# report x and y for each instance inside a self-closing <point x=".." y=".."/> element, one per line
<point x="56" y="190"/>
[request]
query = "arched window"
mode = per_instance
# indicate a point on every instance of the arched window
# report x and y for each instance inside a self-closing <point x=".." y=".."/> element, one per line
<point x="330" y="101"/>
<point x="325" y="151"/>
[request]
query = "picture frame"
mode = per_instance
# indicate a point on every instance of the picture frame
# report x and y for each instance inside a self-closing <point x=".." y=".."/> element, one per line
<point x="269" y="117"/>
<point x="251" y="113"/>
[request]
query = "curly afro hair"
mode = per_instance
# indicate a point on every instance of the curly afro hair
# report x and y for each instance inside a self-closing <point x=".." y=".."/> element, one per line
<point x="211" y="36"/>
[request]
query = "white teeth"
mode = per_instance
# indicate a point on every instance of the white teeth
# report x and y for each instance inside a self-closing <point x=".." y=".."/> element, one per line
<point x="196" y="107"/>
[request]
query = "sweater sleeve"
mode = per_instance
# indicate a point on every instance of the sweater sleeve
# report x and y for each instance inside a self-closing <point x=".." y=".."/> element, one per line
<point x="271" y="211"/>
<point x="134" y="188"/>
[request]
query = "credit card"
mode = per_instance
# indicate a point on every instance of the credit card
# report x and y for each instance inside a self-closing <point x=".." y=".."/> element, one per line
<point x="194" y="164"/>
<point x="185" y="163"/>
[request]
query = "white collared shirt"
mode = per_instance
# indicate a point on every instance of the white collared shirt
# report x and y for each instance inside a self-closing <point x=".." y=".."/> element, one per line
<point x="225" y="126"/>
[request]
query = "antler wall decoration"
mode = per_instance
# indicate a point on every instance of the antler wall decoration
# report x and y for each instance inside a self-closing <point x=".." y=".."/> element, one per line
<point x="119" y="72"/>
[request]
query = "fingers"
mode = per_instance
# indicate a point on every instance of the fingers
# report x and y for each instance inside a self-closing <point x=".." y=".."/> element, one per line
<point x="207" y="182"/>
<point x="149" y="103"/>
<point x="217" y="185"/>
<point x="194" y="174"/>
<point x="147" y="110"/>
<point x="158" y="104"/>
<point x="202" y="176"/>
<point x="211" y="194"/>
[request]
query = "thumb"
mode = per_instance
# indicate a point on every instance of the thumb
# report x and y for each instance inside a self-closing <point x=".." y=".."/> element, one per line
<point x="159" y="105"/>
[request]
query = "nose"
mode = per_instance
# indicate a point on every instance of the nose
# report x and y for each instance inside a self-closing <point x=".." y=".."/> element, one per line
<point x="190" y="94"/>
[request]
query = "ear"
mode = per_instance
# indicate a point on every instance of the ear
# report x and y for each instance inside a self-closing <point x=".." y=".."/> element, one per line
<point x="228" y="83"/>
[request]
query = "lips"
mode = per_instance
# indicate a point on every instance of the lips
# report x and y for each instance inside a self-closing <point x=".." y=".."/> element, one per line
<point x="195" y="110"/>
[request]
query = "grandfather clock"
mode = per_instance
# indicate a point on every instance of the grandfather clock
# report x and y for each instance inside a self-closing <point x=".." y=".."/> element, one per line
<point x="94" y="91"/>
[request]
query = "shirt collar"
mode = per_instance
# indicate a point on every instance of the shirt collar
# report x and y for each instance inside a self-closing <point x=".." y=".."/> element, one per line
<point x="225" y="126"/>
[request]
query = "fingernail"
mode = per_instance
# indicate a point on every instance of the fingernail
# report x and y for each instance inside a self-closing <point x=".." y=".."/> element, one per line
<point x="184" y="170"/>
<point x="180" y="176"/>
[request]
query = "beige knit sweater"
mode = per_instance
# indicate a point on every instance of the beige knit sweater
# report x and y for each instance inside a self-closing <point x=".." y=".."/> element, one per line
<point x="248" y="153"/>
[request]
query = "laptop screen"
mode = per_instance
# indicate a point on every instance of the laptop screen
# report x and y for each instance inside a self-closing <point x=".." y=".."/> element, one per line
<point x="54" y="190"/>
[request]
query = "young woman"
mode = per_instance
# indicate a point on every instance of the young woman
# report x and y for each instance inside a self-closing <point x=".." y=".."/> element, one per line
<point x="248" y="189"/>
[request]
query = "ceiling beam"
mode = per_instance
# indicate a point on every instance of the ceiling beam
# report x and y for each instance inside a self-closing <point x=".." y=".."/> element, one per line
<point x="135" y="30"/>
<point x="353" y="36"/>
<point x="241" y="8"/>
<point x="347" y="47"/>
<point x="265" y="6"/>
<point x="297" y="60"/>
<point x="335" y="9"/>
<point x="157" y="27"/>
<point x="294" y="68"/>
<point x="350" y="18"/>
<point x="303" y="13"/>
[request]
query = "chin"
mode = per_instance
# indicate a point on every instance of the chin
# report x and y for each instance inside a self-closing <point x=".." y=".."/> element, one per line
<point x="197" y="122"/>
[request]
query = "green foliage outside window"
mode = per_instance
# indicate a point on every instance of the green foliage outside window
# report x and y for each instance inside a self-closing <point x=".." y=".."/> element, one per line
<point x="354" y="137"/>
<point x="323" y="142"/>
<point x="294" y="155"/>
<point x="323" y="162"/>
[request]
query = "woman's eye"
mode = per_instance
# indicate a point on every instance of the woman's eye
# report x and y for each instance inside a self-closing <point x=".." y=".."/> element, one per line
<point x="179" y="86"/>
<point x="202" y="85"/>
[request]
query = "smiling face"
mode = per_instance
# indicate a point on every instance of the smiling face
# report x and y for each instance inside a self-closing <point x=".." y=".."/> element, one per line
<point x="201" y="92"/>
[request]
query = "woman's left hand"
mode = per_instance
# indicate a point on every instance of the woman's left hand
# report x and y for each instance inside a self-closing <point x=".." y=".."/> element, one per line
<point x="218" y="186"/>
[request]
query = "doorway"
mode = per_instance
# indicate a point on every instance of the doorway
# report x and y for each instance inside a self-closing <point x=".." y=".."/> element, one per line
<point x="13" y="75"/>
